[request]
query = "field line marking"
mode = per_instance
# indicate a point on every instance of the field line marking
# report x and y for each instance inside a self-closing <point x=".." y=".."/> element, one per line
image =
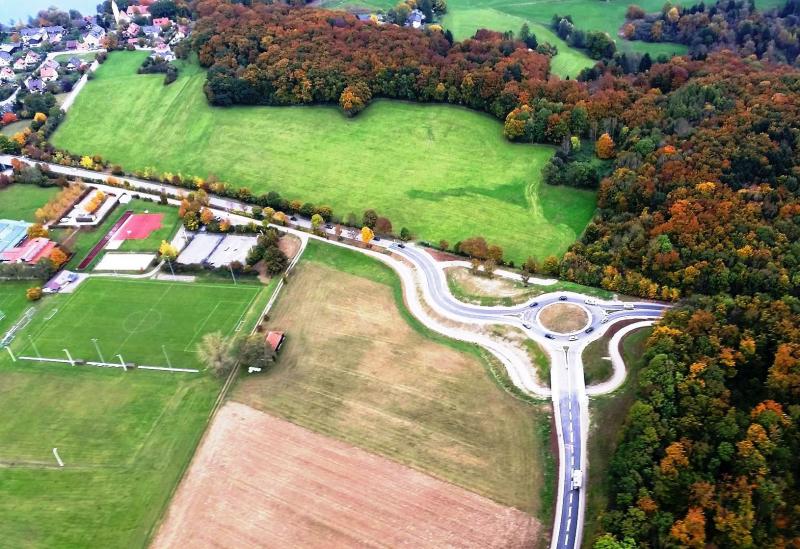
<point x="186" y="349"/>
<point x="58" y="458"/>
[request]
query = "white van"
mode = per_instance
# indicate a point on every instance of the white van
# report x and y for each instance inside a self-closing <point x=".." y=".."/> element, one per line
<point x="577" y="479"/>
<point x="628" y="306"/>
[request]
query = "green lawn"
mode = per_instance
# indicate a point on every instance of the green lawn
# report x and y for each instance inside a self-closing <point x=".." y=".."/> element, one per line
<point x="19" y="202"/>
<point x="125" y="437"/>
<point x="442" y="171"/>
<point x="13" y="302"/>
<point x="15" y="127"/>
<point x="136" y="318"/>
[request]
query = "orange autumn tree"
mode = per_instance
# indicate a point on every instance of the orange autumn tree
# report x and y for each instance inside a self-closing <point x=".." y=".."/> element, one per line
<point x="604" y="147"/>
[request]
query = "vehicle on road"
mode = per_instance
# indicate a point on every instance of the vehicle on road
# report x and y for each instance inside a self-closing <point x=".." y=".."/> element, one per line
<point x="549" y="336"/>
<point x="605" y="319"/>
<point x="628" y="306"/>
<point x="293" y="218"/>
<point x="562" y="298"/>
<point x="590" y="301"/>
<point x="573" y="338"/>
<point x="401" y="245"/>
<point x="377" y="238"/>
<point x="589" y="330"/>
<point x="526" y="326"/>
<point x="577" y="479"/>
<point x="534" y="304"/>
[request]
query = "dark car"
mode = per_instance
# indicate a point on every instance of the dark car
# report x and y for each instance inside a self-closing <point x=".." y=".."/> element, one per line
<point x="401" y="245"/>
<point x="377" y="238"/>
<point x="534" y="304"/>
<point x="293" y="218"/>
<point x="589" y="330"/>
<point x="328" y="226"/>
<point x="549" y="336"/>
<point x="562" y="298"/>
<point x="527" y="326"/>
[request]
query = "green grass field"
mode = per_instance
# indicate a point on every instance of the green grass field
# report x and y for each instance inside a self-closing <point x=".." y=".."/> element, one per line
<point x="13" y="302"/>
<point x="442" y="171"/>
<point x="19" y="202"/>
<point x="589" y="15"/>
<point x="125" y="437"/>
<point x="135" y="318"/>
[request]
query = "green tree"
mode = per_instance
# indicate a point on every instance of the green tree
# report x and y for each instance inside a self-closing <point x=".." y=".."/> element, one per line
<point x="217" y="354"/>
<point x="316" y="221"/>
<point x="369" y="219"/>
<point x="252" y="351"/>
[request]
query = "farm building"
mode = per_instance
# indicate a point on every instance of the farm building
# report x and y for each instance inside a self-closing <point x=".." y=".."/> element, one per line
<point x="275" y="340"/>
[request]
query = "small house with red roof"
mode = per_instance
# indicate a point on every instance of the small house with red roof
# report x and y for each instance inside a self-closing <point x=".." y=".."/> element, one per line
<point x="275" y="340"/>
<point x="162" y="22"/>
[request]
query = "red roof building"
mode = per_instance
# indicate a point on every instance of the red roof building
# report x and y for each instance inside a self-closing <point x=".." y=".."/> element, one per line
<point x="30" y="252"/>
<point x="162" y="22"/>
<point x="275" y="340"/>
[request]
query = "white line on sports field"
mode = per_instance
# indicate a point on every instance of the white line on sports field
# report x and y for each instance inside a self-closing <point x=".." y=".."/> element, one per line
<point x="58" y="458"/>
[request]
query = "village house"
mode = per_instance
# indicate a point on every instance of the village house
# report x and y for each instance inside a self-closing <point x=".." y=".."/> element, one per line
<point x="91" y="41"/>
<point x="31" y="58"/>
<point x="162" y="22"/>
<point x="20" y="65"/>
<point x="34" y="85"/>
<point x="5" y="59"/>
<point x="52" y="63"/>
<point x="133" y="30"/>
<point x="32" y="35"/>
<point x="71" y="45"/>
<point x="415" y="19"/>
<point x="75" y="63"/>
<point x="11" y="47"/>
<point x="48" y="74"/>
<point x="7" y="75"/>
<point x="151" y="31"/>
<point x="142" y="11"/>
<point x="164" y="52"/>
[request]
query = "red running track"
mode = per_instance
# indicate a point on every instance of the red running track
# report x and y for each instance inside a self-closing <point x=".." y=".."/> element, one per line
<point x="103" y="241"/>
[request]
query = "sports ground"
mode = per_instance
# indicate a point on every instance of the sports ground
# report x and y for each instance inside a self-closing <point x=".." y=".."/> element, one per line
<point x="442" y="171"/>
<point x="125" y="437"/>
<point x="135" y="318"/>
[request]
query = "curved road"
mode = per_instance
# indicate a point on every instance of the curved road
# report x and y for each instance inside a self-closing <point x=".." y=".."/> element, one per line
<point x="567" y="388"/>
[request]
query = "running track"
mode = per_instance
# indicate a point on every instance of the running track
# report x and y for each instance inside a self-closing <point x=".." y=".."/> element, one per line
<point x="103" y="241"/>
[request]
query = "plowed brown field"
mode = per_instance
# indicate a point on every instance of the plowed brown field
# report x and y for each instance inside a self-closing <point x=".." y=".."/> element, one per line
<point x="260" y="481"/>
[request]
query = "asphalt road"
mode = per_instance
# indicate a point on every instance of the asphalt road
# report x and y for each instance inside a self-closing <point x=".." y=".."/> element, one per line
<point x="570" y="402"/>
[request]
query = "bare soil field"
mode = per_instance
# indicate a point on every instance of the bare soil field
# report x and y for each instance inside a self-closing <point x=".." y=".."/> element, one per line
<point x="259" y="481"/>
<point x="355" y="369"/>
<point x="563" y="318"/>
<point x="485" y="286"/>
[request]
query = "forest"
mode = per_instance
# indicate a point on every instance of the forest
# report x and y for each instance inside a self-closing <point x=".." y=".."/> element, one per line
<point x="726" y="24"/>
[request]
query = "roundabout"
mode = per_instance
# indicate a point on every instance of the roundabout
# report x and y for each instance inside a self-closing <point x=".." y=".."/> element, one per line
<point x="564" y="318"/>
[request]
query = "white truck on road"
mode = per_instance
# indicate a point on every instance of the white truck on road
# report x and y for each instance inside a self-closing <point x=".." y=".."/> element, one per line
<point x="577" y="479"/>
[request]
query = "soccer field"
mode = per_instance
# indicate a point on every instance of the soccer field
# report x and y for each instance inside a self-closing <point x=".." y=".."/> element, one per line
<point x="124" y="437"/>
<point x="442" y="171"/>
<point x="138" y="319"/>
